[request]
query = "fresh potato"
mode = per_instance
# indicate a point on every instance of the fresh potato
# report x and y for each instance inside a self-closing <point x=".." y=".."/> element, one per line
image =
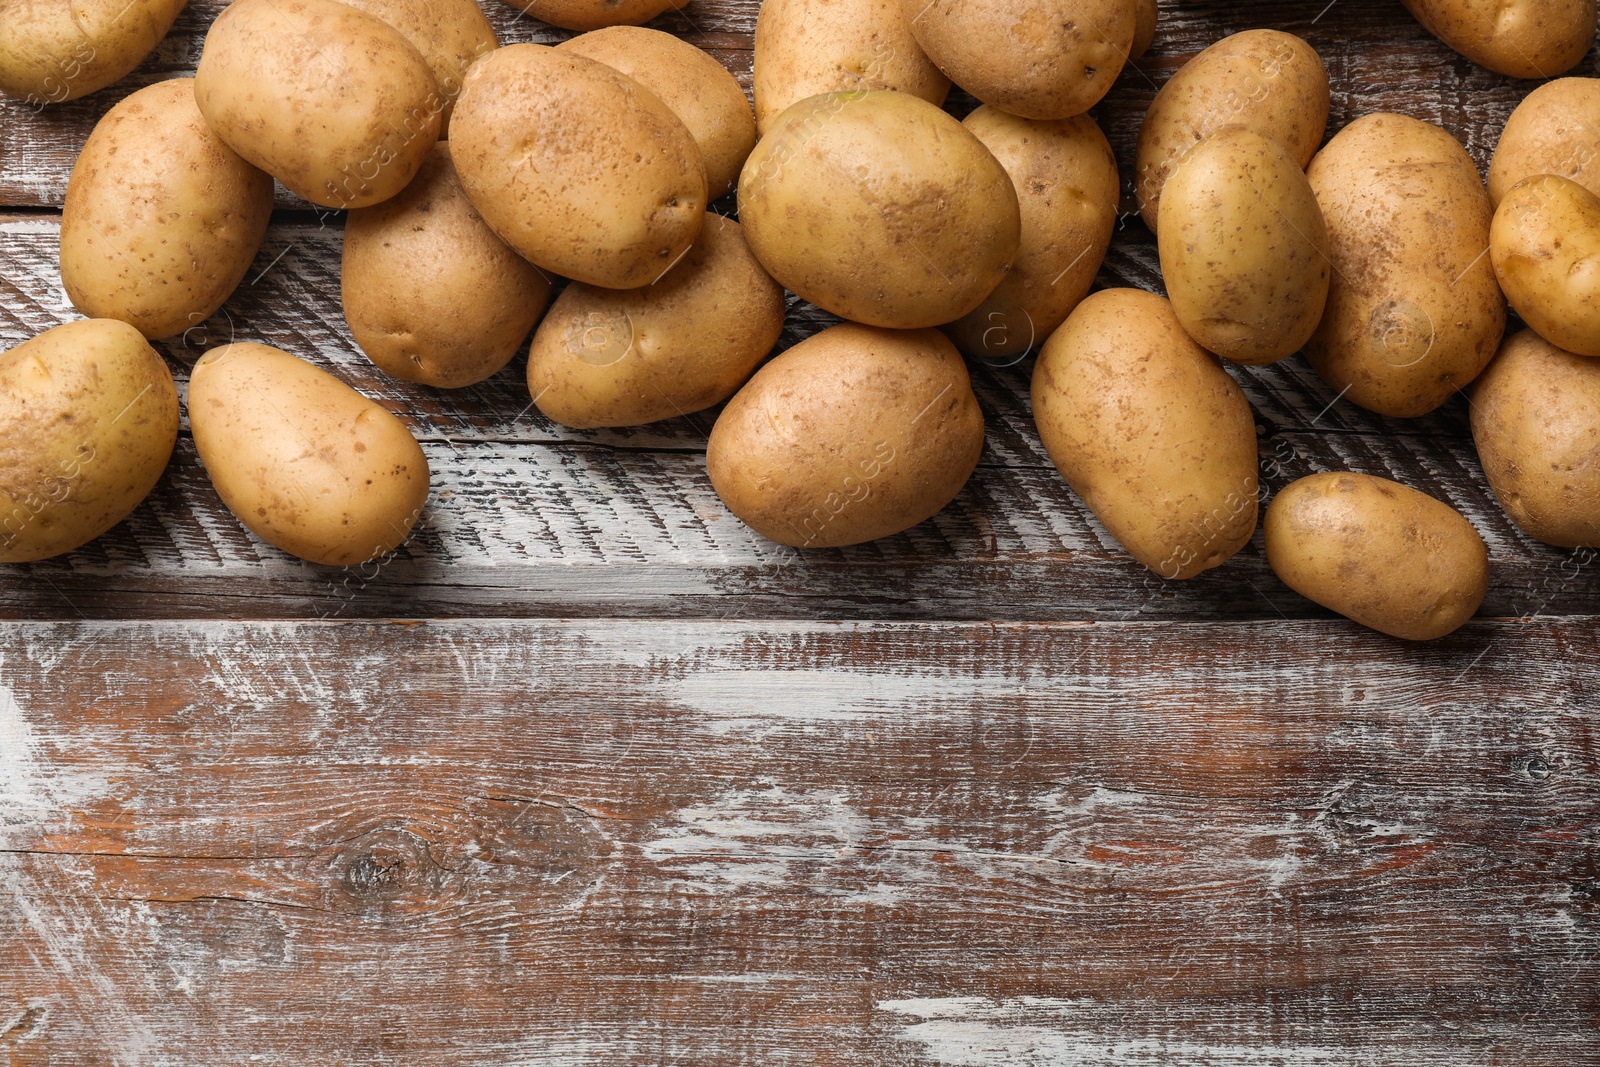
<point x="56" y="50"/>
<point x="1391" y="558"/>
<point x="881" y="208"/>
<point x="577" y="166"/>
<point x="306" y="462"/>
<point x="1522" y="38"/>
<point x="1271" y="82"/>
<point x="88" y="419"/>
<point x="1066" y="181"/>
<point x="450" y="34"/>
<point x="1146" y="14"/>
<point x="1555" y="130"/>
<point x="1243" y="247"/>
<point x="430" y="293"/>
<point x="1545" y="245"/>
<point x="625" y="357"/>
<point x="1150" y="431"/>
<point x="334" y="103"/>
<point x="594" y="14"/>
<point x="1414" y="312"/>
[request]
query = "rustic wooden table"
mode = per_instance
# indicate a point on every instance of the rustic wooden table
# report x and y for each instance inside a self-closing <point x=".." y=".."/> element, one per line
<point x="644" y="789"/>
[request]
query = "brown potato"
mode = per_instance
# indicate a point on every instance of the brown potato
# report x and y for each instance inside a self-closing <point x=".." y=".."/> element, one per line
<point x="1545" y="245"/>
<point x="1147" y="13"/>
<point x="56" y="50"/>
<point x="1522" y="38"/>
<point x="1555" y="130"/>
<point x="450" y="34"/>
<point x="594" y="14"/>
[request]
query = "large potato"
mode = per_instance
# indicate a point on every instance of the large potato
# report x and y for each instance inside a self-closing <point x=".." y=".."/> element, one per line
<point x="1065" y="178"/>
<point x="1150" y="431"/>
<point x="1243" y="247"/>
<point x="1271" y="82"/>
<point x="881" y="208"/>
<point x="853" y="434"/>
<point x="88" y="419"/>
<point x="1555" y="130"/>
<point x="625" y="357"/>
<point x="430" y="293"/>
<point x="450" y="34"/>
<point x="56" y="50"/>
<point x="303" y="460"/>
<point x="1414" y="311"/>
<point x="1522" y="38"/>
<point x="1545" y="244"/>
<point x="577" y="166"/>
<point x="594" y="14"/>
<point x="334" y="103"/>
<point x="1378" y="552"/>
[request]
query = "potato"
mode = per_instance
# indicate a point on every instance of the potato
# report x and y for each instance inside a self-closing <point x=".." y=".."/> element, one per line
<point x="594" y="14"/>
<point x="1536" y="421"/>
<point x="430" y="293"/>
<point x="1553" y="131"/>
<point x="807" y="47"/>
<point x="1414" y="312"/>
<point x="1038" y="59"/>
<point x="577" y="166"/>
<point x="1243" y="247"/>
<point x="1146" y="14"/>
<point x="1544" y="244"/>
<point x="697" y="88"/>
<point x="625" y="357"/>
<point x="1066" y="181"/>
<point x="304" y="461"/>
<point x="1150" y="431"/>
<point x="1391" y="558"/>
<point x="1271" y="82"/>
<point x="88" y="419"/>
<point x="55" y="50"/>
<point x="450" y="34"/>
<point x="1522" y="38"/>
<point x="334" y="103"/>
<point x="881" y="208"/>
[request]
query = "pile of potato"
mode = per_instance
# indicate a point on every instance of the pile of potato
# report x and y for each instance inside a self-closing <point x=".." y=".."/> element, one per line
<point x="477" y="180"/>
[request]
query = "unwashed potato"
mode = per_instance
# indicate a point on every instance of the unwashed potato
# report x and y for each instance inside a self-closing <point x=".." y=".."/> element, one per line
<point x="1243" y="247"/>
<point x="306" y="462"/>
<point x="1555" y="130"/>
<point x="1545" y="244"/>
<point x="881" y="208"/>
<point x="450" y="34"/>
<point x="88" y="419"/>
<point x="577" y="166"/>
<point x="430" y="293"/>
<point x="1271" y="82"/>
<point x="1150" y="431"/>
<point x="334" y="103"/>
<point x="625" y="357"/>
<point x="1522" y="38"/>
<point x="1065" y="177"/>
<point x="56" y="50"/>
<point x="1414" y="312"/>
<point x="594" y="14"/>
<point x="1391" y="558"/>
<point x="1146" y="14"/>
<point x="853" y="434"/>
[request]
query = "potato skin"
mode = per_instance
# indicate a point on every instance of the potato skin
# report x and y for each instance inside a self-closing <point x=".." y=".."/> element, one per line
<point x="1551" y="132"/>
<point x="430" y="293"/>
<point x="1150" y="431"/>
<point x="1544" y="244"/>
<point x="577" y="166"/>
<point x="1146" y="15"/>
<point x="304" y="461"/>
<point x="1414" y="312"/>
<point x="1540" y="39"/>
<point x="451" y="35"/>
<point x="88" y="420"/>
<point x="52" y="50"/>
<point x="588" y="15"/>
<point x="881" y="208"/>
<point x="1380" y="553"/>
<point x="853" y="434"/>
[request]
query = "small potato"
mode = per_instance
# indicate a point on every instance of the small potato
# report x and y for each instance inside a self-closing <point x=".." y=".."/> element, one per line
<point x="1391" y="558"/>
<point x="577" y="166"/>
<point x="1150" y="431"/>
<point x="306" y="462"/>
<point x="1146" y="14"/>
<point x="1522" y="38"/>
<point x="1536" y="421"/>
<point x="88" y="419"/>
<point x="1555" y="130"/>
<point x="430" y="293"/>
<point x="450" y="34"/>
<point x="57" y="50"/>
<point x="1545" y="244"/>
<point x="1066" y="181"/>
<point x="594" y="14"/>
<point x="881" y="208"/>
<point x="625" y="357"/>
<point x="1243" y="247"/>
<point x="853" y="434"/>
<point x="334" y="103"/>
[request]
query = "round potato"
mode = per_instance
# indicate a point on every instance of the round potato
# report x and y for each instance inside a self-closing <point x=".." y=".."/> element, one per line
<point x="1271" y="82"/>
<point x="1526" y="39"/>
<point x="1146" y="14"/>
<point x="1066" y="182"/>
<point x="53" y="50"/>
<point x="304" y="461"/>
<point x="1555" y="130"/>
<point x="88" y="419"/>
<point x="334" y="103"/>
<point x="1150" y="431"/>
<point x="697" y="88"/>
<point x="577" y="166"/>
<point x="1545" y="244"/>
<point x="450" y="34"/>
<point x="625" y="357"/>
<point x="1414" y="312"/>
<point x="881" y="208"/>
<point x="594" y="14"/>
<point x="430" y="293"/>
<point x="1243" y="247"/>
<point x="1380" y="553"/>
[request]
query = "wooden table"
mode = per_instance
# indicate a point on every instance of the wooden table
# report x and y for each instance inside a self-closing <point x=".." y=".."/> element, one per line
<point x="591" y="774"/>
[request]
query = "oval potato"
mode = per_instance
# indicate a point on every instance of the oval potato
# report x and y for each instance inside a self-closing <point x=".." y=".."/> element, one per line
<point x="450" y="35"/>
<point x="1521" y="38"/>
<point x="1147" y="13"/>
<point x="54" y="50"/>
<point x="588" y="15"/>
<point x="1545" y="244"/>
<point x="1555" y="130"/>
